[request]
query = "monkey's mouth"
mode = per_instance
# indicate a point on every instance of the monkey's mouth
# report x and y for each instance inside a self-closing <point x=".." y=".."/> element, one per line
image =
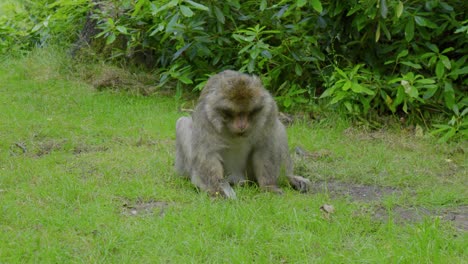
<point x="241" y="134"/>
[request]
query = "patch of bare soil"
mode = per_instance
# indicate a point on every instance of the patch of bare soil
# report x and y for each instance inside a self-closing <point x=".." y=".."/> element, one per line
<point x="356" y="192"/>
<point x="142" y="207"/>
<point x="121" y="80"/>
<point x="36" y="148"/>
<point x="82" y="148"/>
<point x="43" y="147"/>
<point x="369" y="193"/>
<point x="458" y="215"/>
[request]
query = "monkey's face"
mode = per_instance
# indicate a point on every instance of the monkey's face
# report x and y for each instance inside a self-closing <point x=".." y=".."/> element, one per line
<point x="237" y="104"/>
<point x="239" y="122"/>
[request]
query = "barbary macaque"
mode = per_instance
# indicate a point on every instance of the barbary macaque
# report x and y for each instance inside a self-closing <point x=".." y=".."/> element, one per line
<point x="234" y="136"/>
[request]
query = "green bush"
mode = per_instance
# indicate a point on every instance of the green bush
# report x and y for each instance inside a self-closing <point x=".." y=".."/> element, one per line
<point x="25" y="24"/>
<point x="362" y="57"/>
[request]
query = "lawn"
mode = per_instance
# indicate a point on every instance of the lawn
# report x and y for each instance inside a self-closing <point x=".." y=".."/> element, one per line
<point x="87" y="176"/>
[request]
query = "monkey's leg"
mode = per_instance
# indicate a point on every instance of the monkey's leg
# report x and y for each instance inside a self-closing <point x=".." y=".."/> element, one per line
<point x="297" y="182"/>
<point x="183" y="146"/>
<point x="266" y="171"/>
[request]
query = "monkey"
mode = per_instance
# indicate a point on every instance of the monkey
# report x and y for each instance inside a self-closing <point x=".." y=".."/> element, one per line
<point x="234" y="136"/>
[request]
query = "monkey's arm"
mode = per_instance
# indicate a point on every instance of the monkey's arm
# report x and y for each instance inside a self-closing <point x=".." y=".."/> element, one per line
<point x="207" y="174"/>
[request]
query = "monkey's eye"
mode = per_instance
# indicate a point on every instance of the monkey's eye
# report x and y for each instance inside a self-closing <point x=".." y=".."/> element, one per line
<point x="255" y="111"/>
<point x="226" y="113"/>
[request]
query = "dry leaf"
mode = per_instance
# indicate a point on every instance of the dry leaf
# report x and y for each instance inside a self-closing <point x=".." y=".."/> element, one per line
<point x="327" y="210"/>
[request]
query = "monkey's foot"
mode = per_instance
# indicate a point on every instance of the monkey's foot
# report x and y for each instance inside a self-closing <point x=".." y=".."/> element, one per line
<point x="300" y="183"/>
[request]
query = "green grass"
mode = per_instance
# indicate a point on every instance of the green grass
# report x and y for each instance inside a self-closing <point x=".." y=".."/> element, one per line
<point x="74" y="161"/>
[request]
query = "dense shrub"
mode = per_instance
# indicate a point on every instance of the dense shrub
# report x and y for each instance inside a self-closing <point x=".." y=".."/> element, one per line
<point x="361" y="57"/>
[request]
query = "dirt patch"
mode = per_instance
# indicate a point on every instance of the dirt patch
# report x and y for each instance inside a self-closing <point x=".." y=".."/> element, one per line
<point x="356" y="192"/>
<point x="47" y="146"/>
<point x="37" y="148"/>
<point x="316" y="155"/>
<point x="458" y="216"/>
<point x="113" y="78"/>
<point x="82" y="148"/>
<point x="142" y="207"/>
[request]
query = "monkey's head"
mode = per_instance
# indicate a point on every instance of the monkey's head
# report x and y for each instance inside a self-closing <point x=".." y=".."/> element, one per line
<point x="237" y="104"/>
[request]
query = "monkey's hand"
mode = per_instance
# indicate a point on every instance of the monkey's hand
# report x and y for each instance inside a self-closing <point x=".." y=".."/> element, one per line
<point x="300" y="183"/>
<point x="226" y="190"/>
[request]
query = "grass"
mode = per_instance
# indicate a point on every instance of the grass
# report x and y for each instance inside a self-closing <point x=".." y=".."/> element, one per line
<point x="87" y="176"/>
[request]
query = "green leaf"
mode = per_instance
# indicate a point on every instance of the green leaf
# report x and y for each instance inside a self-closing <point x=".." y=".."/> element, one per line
<point x="36" y="27"/>
<point x="430" y="92"/>
<point x="186" y="11"/>
<point x="110" y="21"/>
<point x="327" y="92"/>
<point x="384" y="28"/>
<point x="341" y="72"/>
<point x="338" y="97"/>
<point x="449" y="95"/>
<point x="445" y="60"/>
<point x="448" y="50"/>
<point x="267" y="54"/>
<point x="410" y="89"/>
<point x="450" y="133"/>
<point x="383" y="8"/>
<point x="409" y="30"/>
<point x="433" y="47"/>
<point x="184" y="79"/>
<point x="122" y="29"/>
<point x="219" y="15"/>
<point x="412" y="65"/>
<point x="426" y="81"/>
<point x="357" y="88"/>
<point x="169" y="5"/>
<point x="180" y="51"/>
<point x="348" y="106"/>
<point x="197" y="5"/>
<point x="298" y="69"/>
<point x="137" y="8"/>
<point x="239" y="38"/>
<point x="355" y="70"/>
<point x="402" y="54"/>
<point x="110" y="39"/>
<point x="287" y="102"/>
<point x="377" y="33"/>
<point x="421" y="21"/>
<point x="263" y="5"/>
<point x="464" y="112"/>
<point x="427" y="55"/>
<point x="440" y="69"/>
<point x="399" y="9"/>
<point x="461" y="71"/>
<point x="446" y="6"/>
<point x="316" y="5"/>
<point x="399" y="96"/>
<point x="301" y="3"/>
<point x="346" y="85"/>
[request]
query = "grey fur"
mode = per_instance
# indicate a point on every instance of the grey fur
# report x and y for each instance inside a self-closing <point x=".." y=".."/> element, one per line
<point x="212" y="155"/>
